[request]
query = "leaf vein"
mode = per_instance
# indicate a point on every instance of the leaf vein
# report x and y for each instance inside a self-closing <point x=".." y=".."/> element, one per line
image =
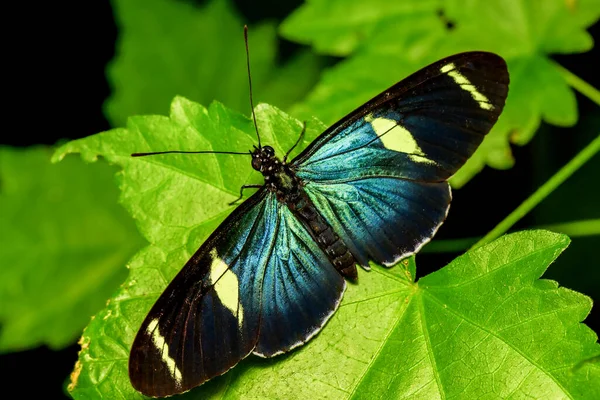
<point x="381" y="346"/>
<point x="493" y="334"/>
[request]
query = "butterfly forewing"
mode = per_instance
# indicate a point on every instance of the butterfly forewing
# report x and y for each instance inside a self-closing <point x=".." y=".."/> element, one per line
<point x="379" y="176"/>
<point x="423" y="128"/>
<point x="207" y="319"/>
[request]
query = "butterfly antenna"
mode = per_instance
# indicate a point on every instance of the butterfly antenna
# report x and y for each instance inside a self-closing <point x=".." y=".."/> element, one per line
<point x="297" y="141"/>
<point x="186" y="152"/>
<point x="250" y="83"/>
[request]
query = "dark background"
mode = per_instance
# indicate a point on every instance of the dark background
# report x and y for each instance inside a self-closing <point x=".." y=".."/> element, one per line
<point x="56" y="54"/>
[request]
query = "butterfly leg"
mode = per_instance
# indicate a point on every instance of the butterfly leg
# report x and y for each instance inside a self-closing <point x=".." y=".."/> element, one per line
<point x="242" y="192"/>
<point x="297" y="141"/>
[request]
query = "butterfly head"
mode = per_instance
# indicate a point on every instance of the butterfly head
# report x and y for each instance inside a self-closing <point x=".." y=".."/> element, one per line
<point x="262" y="157"/>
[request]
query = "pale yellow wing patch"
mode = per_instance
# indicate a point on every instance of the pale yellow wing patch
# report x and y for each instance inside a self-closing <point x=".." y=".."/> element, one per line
<point x="163" y="347"/>
<point x="397" y="138"/>
<point x="465" y="84"/>
<point x="226" y="286"/>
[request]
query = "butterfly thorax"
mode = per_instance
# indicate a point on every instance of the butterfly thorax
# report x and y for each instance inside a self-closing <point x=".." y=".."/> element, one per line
<point x="288" y="187"/>
<point x="279" y="177"/>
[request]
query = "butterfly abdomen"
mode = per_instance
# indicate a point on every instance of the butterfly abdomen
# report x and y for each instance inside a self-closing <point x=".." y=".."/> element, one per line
<point x="333" y="246"/>
<point x="288" y="187"/>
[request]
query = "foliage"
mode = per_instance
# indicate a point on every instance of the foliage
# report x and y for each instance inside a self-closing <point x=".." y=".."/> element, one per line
<point x="462" y="331"/>
<point x="170" y="48"/>
<point x="486" y="325"/>
<point x="64" y="240"/>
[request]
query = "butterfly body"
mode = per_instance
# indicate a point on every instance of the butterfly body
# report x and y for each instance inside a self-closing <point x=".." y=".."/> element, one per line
<point x="371" y="188"/>
<point x="281" y="180"/>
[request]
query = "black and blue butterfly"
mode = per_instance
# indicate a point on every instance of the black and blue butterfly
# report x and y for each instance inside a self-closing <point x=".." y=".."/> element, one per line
<point x="372" y="187"/>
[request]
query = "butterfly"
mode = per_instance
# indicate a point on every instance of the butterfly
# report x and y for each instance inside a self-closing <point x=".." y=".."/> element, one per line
<point x="372" y="187"/>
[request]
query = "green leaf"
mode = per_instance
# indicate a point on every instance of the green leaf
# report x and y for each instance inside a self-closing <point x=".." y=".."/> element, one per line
<point x="378" y="64"/>
<point x="65" y="242"/>
<point x="292" y="81"/>
<point x="168" y="48"/>
<point x="483" y="325"/>
<point x="524" y="32"/>
<point x="338" y="27"/>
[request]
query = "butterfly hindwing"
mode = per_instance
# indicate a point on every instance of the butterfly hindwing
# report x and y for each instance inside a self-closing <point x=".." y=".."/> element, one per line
<point x="394" y="155"/>
<point x="382" y="219"/>
<point x="257" y="284"/>
<point x="301" y="289"/>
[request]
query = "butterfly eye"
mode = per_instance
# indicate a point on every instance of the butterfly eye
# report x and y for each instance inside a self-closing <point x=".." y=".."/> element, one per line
<point x="268" y="151"/>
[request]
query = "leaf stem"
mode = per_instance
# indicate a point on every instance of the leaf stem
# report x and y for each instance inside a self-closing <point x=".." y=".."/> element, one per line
<point x="590" y="227"/>
<point x="450" y="245"/>
<point x="580" y="85"/>
<point x="556" y="180"/>
<point x="572" y="229"/>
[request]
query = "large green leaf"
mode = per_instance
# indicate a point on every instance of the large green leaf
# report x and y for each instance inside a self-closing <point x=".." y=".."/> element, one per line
<point x="482" y="326"/>
<point x="524" y="32"/>
<point x="65" y="241"/>
<point x="168" y="48"/>
<point x="337" y="27"/>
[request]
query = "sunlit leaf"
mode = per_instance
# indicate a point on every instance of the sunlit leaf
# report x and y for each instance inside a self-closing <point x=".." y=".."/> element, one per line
<point x="485" y="325"/>
<point x="338" y="27"/>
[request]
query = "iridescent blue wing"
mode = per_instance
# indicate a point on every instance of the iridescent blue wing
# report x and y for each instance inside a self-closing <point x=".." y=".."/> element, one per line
<point x="301" y="289"/>
<point x="258" y="284"/>
<point x="382" y="219"/>
<point x="379" y="176"/>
